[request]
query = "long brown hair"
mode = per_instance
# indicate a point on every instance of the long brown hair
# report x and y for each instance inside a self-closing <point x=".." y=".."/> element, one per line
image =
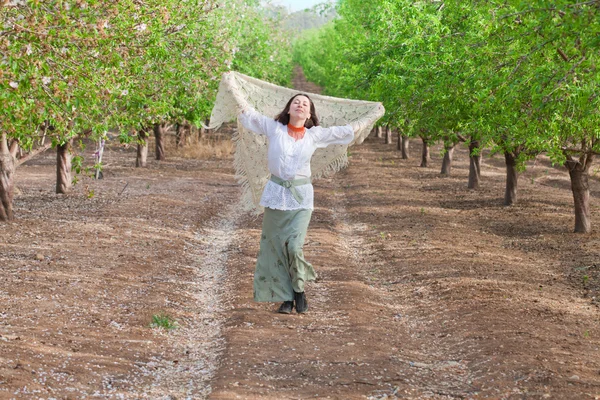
<point x="284" y="117"/>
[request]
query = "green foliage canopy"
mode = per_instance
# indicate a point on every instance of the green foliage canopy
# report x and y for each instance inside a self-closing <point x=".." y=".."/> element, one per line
<point x="87" y="66"/>
<point x="512" y="73"/>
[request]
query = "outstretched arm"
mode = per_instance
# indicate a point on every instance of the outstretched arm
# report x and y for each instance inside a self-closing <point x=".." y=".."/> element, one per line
<point x="353" y="133"/>
<point x="256" y="122"/>
<point x="324" y="137"/>
<point x="362" y="126"/>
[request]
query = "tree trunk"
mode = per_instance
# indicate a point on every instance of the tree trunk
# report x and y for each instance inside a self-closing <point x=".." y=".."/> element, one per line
<point x="379" y="132"/>
<point x="178" y="134"/>
<point x="425" y="153"/>
<point x="203" y="130"/>
<point x="512" y="178"/>
<point x="581" y="194"/>
<point x="142" y="149"/>
<point x="99" y="154"/>
<point x="7" y="183"/>
<point x="63" y="168"/>
<point x="405" y="147"/>
<point x="187" y="133"/>
<point x="447" y="161"/>
<point x="181" y="134"/>
<point x="159" y="135"/>
<point x="388" y="134"/>
<point x="45" y="127"/>
<point x="474" y="165"/>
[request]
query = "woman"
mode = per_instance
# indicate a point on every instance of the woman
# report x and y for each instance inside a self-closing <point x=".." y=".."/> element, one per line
<point x="293" y="136"/>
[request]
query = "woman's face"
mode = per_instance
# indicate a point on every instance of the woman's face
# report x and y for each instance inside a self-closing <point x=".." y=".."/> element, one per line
<point x="300" y="108"/>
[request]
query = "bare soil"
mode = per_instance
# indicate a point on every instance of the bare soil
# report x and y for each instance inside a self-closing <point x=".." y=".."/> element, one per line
<point x="427" y="289"/>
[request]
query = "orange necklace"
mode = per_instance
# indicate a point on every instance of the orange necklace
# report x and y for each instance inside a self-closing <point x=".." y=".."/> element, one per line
<point x="296" y="132"/>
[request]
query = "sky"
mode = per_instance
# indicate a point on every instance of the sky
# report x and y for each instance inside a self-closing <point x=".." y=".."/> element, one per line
<point x="297" y="5"/>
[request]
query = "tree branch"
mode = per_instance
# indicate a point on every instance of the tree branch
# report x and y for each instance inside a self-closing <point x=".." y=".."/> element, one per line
<point x="13" y="148"/>
<point x="562" y="54"/>
<point x="3" y="143"/>
<point x="32" y="154"/>
<point x="567" y="150"/>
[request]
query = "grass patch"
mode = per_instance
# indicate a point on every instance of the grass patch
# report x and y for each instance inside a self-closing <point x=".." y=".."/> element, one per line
<point x="206" y="148"/>
<point x="164" y="321"/>
<point x="211" y="145"/>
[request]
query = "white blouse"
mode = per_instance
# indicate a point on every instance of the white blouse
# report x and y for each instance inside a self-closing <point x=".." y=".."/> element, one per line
<point x="290" y="159"/>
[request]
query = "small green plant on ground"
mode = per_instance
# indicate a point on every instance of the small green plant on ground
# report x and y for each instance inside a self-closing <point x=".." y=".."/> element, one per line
<point x="586" y="334"/>
<point x="163" y="320"/>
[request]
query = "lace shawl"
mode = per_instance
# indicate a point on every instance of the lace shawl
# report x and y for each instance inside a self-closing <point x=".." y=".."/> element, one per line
<point x="237" y="91"/>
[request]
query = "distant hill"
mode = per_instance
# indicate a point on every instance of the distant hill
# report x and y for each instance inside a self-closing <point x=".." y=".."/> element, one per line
<point x="310" y="18"/>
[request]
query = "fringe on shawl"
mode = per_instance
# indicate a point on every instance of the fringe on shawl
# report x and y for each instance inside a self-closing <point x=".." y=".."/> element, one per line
<point x="248" y="202"/>
<point x="336" y="165"/>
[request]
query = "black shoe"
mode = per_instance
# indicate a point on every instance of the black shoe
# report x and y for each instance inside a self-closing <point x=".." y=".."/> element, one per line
<point x="286" y="307"/>
<point x="301" y="303"/>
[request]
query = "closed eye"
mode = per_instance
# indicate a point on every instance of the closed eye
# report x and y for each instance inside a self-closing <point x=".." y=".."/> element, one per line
<point x="305" y="104"/>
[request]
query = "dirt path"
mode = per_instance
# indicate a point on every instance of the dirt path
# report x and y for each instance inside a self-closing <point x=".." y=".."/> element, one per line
<point x="428" y="290"/>
<point x="199" y="337"/>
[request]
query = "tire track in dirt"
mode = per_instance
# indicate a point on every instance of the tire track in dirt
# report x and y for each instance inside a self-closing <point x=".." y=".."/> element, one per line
<point x="324" y="352"/>
<point x="428" y="368"/>
<point x="199" y="340"/>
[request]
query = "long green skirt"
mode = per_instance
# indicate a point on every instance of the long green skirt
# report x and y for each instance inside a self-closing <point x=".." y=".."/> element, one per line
<point x="280" y="266"/>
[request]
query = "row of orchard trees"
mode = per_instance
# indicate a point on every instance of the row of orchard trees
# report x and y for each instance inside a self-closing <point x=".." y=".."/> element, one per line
<point x="73" y="69"/>
<point x="518" y="77"/>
